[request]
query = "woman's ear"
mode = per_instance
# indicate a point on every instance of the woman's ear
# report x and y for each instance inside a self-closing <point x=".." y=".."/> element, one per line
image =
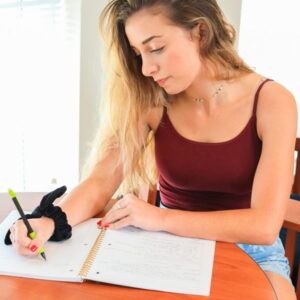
<point x="199" y="33"/>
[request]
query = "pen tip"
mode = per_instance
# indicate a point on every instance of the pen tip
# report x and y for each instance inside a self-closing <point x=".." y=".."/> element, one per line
<point x="44" y="256"/>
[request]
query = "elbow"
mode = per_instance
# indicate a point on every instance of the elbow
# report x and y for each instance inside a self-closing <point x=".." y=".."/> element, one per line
<point x="264" y="237"/>
<point x="267" y="227"/>
<point x="269" y="234"/>
<point x="269" y="238"/>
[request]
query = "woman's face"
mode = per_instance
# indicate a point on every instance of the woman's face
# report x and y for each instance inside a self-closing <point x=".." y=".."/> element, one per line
<point x="169" y="54"/>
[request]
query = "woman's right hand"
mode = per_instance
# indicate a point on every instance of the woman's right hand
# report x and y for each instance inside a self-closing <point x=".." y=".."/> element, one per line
<point x="44" y="228"/>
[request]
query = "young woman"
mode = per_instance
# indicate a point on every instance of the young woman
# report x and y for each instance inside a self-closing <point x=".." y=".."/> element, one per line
<point x="223" y="136"/>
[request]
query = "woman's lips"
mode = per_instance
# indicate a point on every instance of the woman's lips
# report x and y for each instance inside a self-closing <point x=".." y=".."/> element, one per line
<point x="162" y="82"/>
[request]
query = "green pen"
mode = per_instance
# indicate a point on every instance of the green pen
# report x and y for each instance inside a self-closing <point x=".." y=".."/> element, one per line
<point x="31" y="233"/>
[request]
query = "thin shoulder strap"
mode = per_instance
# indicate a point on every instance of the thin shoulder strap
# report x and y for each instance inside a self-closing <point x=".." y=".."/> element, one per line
<point x="257" y="94"/>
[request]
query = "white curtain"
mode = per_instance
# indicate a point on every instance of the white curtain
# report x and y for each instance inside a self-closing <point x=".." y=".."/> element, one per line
<point x="39" y="93"/>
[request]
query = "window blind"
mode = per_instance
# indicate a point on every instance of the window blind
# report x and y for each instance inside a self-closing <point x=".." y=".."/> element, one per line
<point x="39" y="93"/>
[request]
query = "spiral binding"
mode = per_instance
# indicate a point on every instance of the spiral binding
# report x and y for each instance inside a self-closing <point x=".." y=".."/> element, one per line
<point x="92" y="254"/>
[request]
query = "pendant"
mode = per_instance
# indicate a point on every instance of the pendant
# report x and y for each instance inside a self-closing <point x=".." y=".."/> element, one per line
<point x="200" y="100"/>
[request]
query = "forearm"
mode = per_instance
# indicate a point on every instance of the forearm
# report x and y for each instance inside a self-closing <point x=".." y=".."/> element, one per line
<point x="252" y="226"/>
<point x="91" y="195"/>
<point x="84" y="201"/>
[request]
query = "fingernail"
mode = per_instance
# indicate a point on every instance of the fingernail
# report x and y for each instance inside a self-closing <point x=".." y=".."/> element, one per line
<point x="99" y="223"/>
<point x="106" y="226"/>
<point x="33" y="248"/>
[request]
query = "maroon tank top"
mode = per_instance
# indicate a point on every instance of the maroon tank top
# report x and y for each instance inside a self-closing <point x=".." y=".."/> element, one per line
<point x="201" y="176"/>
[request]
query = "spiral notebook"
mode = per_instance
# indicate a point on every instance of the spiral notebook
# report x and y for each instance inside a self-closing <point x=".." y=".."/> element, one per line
<point x="129" y="256"/>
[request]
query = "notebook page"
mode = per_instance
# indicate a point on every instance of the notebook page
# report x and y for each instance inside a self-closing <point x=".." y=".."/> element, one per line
<point x="154" y="260"/>
<point x="64" y="259"/>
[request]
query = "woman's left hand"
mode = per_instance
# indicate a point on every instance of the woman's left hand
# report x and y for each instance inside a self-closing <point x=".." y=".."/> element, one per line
<point x="130" y="210"/>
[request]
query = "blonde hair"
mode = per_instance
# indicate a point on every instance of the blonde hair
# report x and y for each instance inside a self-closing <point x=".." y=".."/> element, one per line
<point x="130" y="95"/>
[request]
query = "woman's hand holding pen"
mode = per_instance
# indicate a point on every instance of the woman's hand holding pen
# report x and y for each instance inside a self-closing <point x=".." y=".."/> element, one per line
<point x="130" y="210"/>
<point x="43" y="227"/>
<point x="47" y="221"/>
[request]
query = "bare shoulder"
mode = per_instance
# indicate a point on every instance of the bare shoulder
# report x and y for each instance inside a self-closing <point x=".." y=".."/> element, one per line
<point x="154" y="116"/>
<point x="273" y="95"/>
<point x="274" y="89"/>
<point x="276" y="109"/>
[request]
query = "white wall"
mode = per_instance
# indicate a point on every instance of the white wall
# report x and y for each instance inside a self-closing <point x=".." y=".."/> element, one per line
<point x="90" y="74"/>
<point x="232" y="11"/>
<point x="270" y="41"/>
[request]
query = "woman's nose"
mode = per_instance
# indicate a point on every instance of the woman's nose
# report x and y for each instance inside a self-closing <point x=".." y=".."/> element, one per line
<point x="149" y="67"/>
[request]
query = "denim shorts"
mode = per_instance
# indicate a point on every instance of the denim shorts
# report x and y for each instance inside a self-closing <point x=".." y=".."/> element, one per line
<point x="270" y="258"/>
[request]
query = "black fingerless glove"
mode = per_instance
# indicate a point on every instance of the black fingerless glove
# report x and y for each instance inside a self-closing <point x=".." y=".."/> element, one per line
<point x="62" y="230"/>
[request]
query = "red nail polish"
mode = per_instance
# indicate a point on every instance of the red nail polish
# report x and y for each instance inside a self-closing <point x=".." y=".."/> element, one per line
<point x="99" y="223"/>
<point x="106" y="226"/>
<point x="33" y="248"/>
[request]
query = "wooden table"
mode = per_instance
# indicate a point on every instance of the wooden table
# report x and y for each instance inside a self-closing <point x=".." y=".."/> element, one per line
<point x="235" y="277"/>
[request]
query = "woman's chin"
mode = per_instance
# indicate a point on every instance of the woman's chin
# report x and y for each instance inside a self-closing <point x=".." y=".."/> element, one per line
<point x="172" y="90"/>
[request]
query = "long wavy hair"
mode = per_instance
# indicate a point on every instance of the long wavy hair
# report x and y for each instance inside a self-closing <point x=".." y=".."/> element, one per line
<point x="128" y="94"/>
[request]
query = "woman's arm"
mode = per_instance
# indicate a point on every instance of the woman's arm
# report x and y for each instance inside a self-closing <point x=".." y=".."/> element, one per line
<point x="260" y="224"/>
<point x="91" y="196"/>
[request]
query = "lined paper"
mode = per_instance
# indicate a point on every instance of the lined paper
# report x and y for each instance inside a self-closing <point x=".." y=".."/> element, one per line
<point x="155" y="260"/>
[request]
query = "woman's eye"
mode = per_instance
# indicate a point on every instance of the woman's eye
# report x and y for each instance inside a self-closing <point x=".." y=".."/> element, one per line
<point x="157" y="50"/>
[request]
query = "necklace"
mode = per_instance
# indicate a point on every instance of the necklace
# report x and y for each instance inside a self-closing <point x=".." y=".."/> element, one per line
<point x="215" y="94"/>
